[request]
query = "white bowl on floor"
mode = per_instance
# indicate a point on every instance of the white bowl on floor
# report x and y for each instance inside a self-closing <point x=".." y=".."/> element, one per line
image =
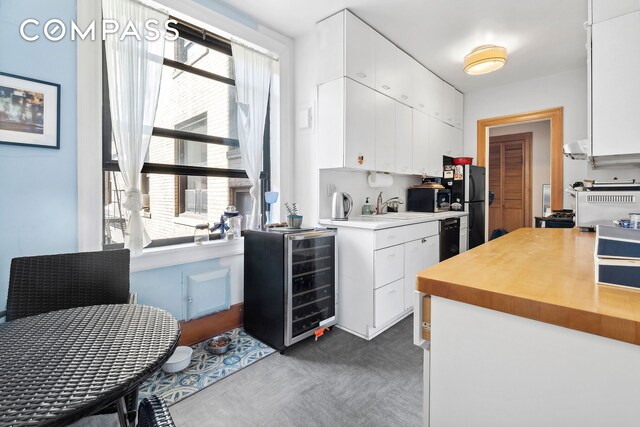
<point x="179" y="360"/>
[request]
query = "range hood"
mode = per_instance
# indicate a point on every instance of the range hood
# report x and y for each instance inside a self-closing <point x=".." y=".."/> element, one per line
<point x="576" y="150"/>
<point x="580" y="150"/>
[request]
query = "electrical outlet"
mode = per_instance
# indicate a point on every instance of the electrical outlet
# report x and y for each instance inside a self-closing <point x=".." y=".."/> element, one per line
<point x="331" y="188"/>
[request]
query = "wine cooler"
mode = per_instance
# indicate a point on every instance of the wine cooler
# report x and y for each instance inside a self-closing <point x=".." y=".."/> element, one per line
<point x="289" y="284"/>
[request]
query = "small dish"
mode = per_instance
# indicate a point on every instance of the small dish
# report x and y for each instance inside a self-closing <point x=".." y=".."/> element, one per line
<point x="179" y="360"/>
<point x="219" y="344"/>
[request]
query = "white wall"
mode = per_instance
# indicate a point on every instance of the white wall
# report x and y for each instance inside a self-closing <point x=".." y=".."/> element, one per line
<point x="540" y="157"/>
<point x="305" y="172"/>
<point x="355" y="183"/>
<point x="567" y="89"/>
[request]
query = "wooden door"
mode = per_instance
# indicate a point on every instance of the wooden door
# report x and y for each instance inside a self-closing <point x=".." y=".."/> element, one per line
<point x="510" y="181"/>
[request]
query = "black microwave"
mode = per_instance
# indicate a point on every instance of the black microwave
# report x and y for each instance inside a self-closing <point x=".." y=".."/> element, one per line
<point x="428" y="199"/>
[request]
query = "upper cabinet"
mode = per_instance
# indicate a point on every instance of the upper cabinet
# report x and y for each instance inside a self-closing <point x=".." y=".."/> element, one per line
<point x="615" y="106"/>
<point x="347" y="48"/>
<point x="379" y="108"/>
<point x="346" y="125"/>
<point x="603" y="10"/>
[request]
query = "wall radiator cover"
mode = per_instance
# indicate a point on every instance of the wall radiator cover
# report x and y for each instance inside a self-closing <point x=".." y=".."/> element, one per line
<point x="206" y="292"/>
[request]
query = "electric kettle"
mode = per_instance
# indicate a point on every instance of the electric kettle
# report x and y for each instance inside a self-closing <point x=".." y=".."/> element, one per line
<point x="341" y="206"/>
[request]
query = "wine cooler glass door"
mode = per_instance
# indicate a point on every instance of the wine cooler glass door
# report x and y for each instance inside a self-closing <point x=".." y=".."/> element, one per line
<point x="311" y="284"/>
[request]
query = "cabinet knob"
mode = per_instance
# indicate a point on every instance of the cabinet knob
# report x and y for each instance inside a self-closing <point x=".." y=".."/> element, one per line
<point x="436" y="113"/>
<point x="404" y="97"/>
<point x="361" y="75"/>
<point x="421" y="105"/>
<point x="424" y="240"/>
<point x="385" y="87"/>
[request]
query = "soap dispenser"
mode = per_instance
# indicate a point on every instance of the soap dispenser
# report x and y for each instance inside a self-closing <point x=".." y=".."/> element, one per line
<point x="366" y="208"/>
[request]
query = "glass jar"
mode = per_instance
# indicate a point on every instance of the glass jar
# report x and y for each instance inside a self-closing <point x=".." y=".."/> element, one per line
<point x="201" y="234"/>
<point x="235" y="227"/>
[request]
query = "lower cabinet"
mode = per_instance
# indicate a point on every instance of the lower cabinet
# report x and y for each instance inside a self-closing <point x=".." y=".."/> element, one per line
<point x="389" y="302"/>
<point x="464" y="234"/>
<point x="418" y="255"/>
<point x="377" y="273"/>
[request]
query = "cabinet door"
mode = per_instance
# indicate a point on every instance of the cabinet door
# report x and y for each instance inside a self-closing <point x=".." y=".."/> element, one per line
<point x="420" y="77"/>
<point x="404" y="139"/>
<point x="330" y="33"/>
<point x="385" y="133"/>
<point x="418" y="255"/>
<point x="439" y="135"/>
<point x="386" y="66"/>
<point x="388" y="302"/>
<point x="360" y="113"/>
<point x="448" y="102"/>
<point x="420" y="142"/>
<point x="458" y="116"/>
<point x="331" y="124"/>
<point x="434" y="95"/>
<point x="404" y="82"/>
<point x="615" y="85"/>
<point x="454" y="142"/>
<point x="606" y="9"/>
<point x="360" y="51"/>
<point x="388" y="265"/>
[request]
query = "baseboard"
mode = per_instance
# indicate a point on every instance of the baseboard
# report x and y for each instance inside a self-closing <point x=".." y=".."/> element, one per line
<point x="197" y="330"/>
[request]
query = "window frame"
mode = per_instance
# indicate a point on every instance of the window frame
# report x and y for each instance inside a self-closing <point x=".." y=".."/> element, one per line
<point x="214" y="42"/>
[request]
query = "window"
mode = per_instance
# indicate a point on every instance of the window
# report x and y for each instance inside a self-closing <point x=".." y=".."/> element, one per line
<point x="193" y="168"/>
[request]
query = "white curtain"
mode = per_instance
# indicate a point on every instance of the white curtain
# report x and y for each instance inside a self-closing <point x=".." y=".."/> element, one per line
<point x="253" y="76"/>
<point x="134" y="69"/>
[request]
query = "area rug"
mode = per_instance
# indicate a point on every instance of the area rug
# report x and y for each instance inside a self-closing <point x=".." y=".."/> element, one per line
<point x="206" y="368"/>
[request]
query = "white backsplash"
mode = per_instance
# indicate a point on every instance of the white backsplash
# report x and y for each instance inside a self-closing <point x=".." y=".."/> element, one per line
<point x="355" y="183"/>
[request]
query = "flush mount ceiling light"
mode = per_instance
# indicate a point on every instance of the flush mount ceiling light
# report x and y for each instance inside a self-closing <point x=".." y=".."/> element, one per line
<point x="485" y="59"/>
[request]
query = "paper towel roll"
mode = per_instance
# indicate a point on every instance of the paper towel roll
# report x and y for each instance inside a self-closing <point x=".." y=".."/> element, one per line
<point x="380" y="180"/>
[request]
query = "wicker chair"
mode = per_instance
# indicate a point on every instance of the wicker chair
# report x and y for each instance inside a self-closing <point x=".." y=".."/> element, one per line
<point x="40" y="284"/>
<point x="153" y="412"/>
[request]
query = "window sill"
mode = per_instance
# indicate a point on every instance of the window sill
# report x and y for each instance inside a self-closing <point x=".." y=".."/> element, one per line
<point x="186" y="253"/>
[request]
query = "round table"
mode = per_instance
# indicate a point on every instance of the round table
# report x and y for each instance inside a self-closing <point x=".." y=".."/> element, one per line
<point x="61" y="366"/>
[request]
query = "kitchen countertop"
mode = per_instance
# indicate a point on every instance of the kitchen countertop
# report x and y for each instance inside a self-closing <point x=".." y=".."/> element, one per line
<point x="390" y="220"/>
<point x="543" y="274"/>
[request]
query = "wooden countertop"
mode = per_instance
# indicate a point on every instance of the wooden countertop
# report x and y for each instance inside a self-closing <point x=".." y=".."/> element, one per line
<point x="543" y="274"/>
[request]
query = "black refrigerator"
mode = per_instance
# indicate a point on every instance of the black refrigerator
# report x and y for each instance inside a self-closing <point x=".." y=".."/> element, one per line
<point x="467" y="185"/>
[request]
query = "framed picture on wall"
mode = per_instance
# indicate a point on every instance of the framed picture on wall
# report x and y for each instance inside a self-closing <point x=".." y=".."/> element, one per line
<point x="29" y="112"/>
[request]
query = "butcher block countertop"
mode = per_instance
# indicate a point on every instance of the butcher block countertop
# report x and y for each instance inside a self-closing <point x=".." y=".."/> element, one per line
<point x="543" y="274"/>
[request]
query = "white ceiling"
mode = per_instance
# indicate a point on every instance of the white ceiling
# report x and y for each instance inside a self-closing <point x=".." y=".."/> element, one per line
<point x="542" y="37"/>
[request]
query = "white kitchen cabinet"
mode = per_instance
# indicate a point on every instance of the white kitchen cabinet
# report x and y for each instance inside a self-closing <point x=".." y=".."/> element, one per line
<point x="418" y="255"/>
<point x="421" y="136"/>
<point x="388" y="302"/>
<point x="439" y="137"/>
<point x="346" y="125"/>
<point x="603" y="10"/>
<point x="464" y="234"/>
<point x="448" y="102"/>
<point x="347" y="48"/>
<point x="386" y="67"/>
<point x="388" y="265"/>
<point x="419" y="77"/>
<point x="458" y="115"/>
<point x="404" y="139"/>
<point x="404" y="84"/>
<point x="615" y="86"/>
<point x="434" y="95"/>
<point x="455" y="142"/>
<point x="385" y="133"/>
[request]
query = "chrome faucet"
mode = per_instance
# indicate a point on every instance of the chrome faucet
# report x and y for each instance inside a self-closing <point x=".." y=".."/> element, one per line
<point x="380" y="205"/>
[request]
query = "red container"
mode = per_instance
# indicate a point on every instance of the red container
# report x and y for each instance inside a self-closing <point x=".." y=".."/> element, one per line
<point x="462" y="160"/>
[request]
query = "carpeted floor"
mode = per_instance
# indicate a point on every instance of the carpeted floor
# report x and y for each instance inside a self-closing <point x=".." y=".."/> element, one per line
<point x="341" y="380"/>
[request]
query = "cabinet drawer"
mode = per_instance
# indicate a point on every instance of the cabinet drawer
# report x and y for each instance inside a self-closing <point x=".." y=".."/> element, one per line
<point x="388" y="265"/>
<point x="418" y="231"/>
<point x="388" y="237"/>
<point x="389" y="302"/>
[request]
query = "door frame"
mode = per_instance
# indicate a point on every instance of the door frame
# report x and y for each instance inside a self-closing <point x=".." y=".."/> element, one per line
<point x="555" y="115"/>
<point x="528" y="175"/>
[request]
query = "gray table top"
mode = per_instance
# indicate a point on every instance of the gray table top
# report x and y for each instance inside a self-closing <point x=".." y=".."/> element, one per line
<point x="61" y="366"/>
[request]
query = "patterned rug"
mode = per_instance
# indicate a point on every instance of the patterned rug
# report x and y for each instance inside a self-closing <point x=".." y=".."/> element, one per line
<point x="206" y="368"/>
